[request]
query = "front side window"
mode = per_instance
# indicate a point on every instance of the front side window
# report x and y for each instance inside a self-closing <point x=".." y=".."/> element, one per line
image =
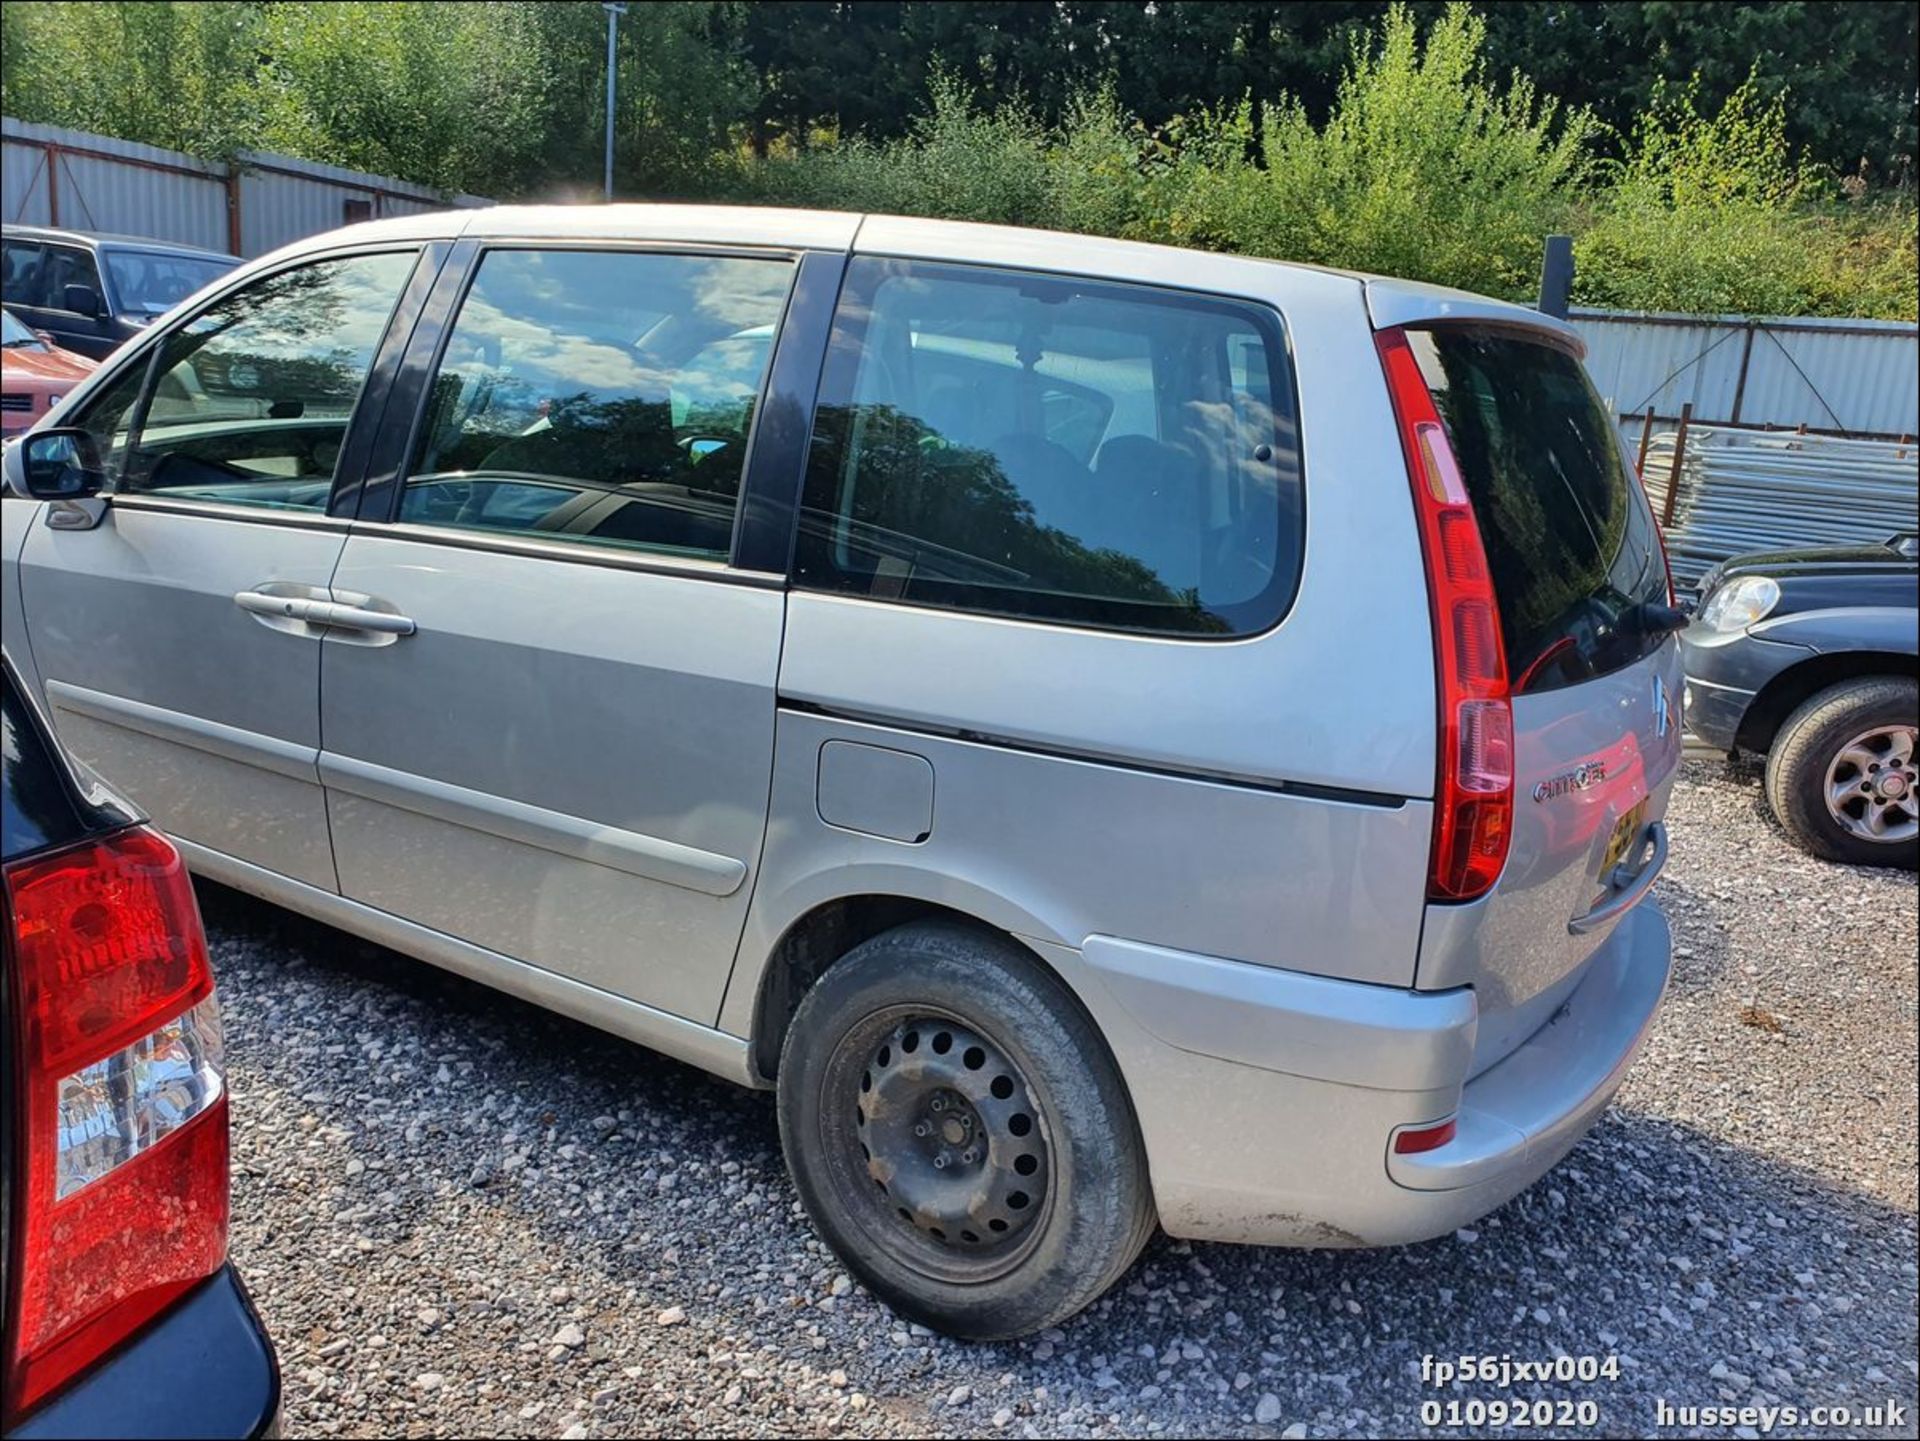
<point x="67" y="266"/>
<point x="600" y="397"/>
<point x="249" y="401"/>
<point x="1053" y="448"/>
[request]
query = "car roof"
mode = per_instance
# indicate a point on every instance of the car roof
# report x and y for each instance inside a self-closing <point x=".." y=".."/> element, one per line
<point x="100" y="240"/>
<point x="1390" y="301"/>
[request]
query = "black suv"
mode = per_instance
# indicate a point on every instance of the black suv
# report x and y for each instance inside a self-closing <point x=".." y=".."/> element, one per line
<point x="1810" y="657"/>
<point x="91" y="292"/>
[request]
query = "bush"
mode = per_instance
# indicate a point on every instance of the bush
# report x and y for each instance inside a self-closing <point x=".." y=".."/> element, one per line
<point x="1714" y="214"/>
<point x="956" y="163"/>
<point x="1422" y="168"/>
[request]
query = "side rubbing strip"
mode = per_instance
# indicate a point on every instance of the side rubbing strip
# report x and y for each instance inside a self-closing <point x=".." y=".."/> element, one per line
<point x="230" y="742"/>
<point x="565" y="835"/>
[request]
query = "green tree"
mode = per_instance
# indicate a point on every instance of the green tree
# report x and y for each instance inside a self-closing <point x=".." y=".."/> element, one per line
<point x="683" y="88"/>
<point x="1852" y="66"/>
<point x="1715" y="212"/>
<point x="179" y="76"/>
<point x="443" y="95"/>
<point x="1423" y="167"/>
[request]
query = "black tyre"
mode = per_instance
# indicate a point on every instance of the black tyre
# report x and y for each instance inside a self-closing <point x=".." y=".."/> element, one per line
<point x="960" y="1135"/>
<point x="1841" y="774"/>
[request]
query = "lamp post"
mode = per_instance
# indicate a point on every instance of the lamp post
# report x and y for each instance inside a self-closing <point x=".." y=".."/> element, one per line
<point x="614" y="11"/>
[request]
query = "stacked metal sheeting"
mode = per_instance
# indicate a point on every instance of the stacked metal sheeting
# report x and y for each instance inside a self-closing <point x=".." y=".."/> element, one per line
<point x="1745" y="490"/>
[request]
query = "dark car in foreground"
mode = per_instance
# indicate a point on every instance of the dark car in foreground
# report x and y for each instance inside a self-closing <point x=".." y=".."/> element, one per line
<point x="1810" y="657"/>
<point x="123" y="1316"/>
<point x="91" y="292"/>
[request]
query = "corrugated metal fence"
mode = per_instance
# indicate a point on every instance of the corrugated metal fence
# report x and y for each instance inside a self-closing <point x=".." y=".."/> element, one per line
<point x="1758" y="433"/>
<point x="1845" y="377"/>
<point x="54" y="176"/>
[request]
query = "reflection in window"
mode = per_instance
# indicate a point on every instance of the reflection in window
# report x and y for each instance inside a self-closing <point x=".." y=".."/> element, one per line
<point x="601" y="397"/>
<point x="1024" y="445"/>
<point x="252" y="396"/>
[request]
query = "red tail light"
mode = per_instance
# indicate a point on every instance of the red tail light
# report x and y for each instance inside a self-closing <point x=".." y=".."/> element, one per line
<point x="120" y="1200"/>
<point x="1473" y="797"/>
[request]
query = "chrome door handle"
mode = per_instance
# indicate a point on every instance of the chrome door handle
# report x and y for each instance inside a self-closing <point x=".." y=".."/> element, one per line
<point x="353" y="617"/>
<point x="1633" y="884"/>
<point x="278" y="607"/>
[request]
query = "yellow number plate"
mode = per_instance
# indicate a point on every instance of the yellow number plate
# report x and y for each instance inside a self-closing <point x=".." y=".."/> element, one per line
<point x="1625" y="832"/>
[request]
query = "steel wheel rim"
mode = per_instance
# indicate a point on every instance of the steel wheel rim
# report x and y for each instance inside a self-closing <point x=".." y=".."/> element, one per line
<point x="895" y="1102"/>
<point x="1870" y="785"/>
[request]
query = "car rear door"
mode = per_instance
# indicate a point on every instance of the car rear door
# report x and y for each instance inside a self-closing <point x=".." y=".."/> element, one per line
<point x="167" y="637"/>
<point x="1581" y="583"/>
<point x="562" y="751"/>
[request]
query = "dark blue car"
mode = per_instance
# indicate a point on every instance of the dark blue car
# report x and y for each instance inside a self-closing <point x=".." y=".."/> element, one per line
<point x="1809" y="656"/>
<point x="123" y="1316"/>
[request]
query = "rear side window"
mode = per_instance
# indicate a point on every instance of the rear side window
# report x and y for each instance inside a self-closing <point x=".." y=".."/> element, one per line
<point x="21" y="270"/>
<point x="1054" y="449"/>
<point x="603" y="398"/>
<point x="1569" y="536"/>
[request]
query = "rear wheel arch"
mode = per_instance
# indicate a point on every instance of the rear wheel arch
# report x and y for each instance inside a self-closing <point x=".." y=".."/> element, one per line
<point x="819" y="938"/>
<point x="1794" y="686"/>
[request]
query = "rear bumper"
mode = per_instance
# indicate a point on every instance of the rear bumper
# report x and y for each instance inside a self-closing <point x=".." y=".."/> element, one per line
<point x="1523" y="1115"/>
<point x="205" y="1368"/>
<point x="1268" y="1100"/>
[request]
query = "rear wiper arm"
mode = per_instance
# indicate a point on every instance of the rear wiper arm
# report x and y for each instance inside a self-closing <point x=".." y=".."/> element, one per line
<point x="1652" y="618"/>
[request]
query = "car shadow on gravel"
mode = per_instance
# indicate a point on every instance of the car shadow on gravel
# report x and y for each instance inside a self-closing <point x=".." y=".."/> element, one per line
<point x="1715" y="1274"/>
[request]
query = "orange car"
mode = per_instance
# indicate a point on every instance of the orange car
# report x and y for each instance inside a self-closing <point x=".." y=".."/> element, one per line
<point x="34" y="374"/>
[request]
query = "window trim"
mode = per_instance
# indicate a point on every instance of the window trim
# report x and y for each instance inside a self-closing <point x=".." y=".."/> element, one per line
<point x="844" y="349"/>
<point x="611" y="557"/>
<point x="400" y="430"/>
<point x="144" y="350"/>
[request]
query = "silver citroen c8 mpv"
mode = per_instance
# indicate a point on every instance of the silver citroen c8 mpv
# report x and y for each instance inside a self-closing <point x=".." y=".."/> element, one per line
<point x="1113" y="736"/>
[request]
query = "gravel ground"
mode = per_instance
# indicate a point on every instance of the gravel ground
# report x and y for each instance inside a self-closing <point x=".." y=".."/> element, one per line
<point x="464" y="1216"/>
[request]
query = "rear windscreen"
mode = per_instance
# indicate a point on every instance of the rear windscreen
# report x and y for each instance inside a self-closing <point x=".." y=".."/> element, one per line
<point x="1570" y="540"/>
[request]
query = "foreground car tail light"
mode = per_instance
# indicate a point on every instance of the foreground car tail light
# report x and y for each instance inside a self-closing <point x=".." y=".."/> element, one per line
<point x="1473" y="796"/>
<point x="120" y="1200"/>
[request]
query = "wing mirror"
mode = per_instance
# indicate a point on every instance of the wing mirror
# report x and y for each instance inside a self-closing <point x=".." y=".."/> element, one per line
<point x="81" y="300"/>
<point x="61" y="464"/>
